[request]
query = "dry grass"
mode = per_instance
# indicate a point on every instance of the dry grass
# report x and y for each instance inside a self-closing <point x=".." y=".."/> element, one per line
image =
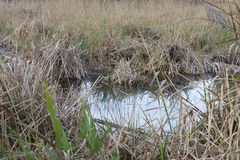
<point x="61" y="41"/>
<point x="110" y="31"/>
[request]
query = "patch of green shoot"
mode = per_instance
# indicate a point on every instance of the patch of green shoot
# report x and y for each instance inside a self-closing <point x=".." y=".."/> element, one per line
<point x="162" y="148"/>
<point x="89" y="131"/>
<point x="60" y="135"/>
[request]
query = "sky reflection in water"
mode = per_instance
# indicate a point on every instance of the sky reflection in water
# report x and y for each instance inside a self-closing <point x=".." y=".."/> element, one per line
<point x="142" y="106"/>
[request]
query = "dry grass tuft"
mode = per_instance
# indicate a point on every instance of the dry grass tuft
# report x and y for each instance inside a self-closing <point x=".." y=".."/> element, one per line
<point x="27" y="29"/>
<point x="125" y="73"/>
<point x="58" y="61"/>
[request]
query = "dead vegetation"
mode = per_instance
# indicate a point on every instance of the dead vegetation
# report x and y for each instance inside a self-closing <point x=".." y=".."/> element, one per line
<point x="103" y="45"/>
<point x="62" y="41"/>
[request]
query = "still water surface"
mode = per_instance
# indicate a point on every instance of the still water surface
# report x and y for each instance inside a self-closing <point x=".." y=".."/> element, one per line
<point x="142" y="106"/>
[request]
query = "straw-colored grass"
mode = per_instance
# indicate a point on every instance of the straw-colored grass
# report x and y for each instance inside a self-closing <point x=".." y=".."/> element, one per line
<point x="56" y="43"/>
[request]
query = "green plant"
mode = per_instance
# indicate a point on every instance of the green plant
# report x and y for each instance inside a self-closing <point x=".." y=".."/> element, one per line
<point x="163" y="148"/>
<point x="60" y="135"/>
<point x="90" y="132"/>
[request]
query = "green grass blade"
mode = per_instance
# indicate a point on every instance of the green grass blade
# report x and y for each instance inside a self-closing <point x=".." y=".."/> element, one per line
<point x="55" y="121"/>
<point x="162" y="148"/>
<point x="89" y="131"/>
<point x="66" y="145"/>
<point x="40" y="157"/>
<point x="50" y="153"/>
<point x="28" y="154"/>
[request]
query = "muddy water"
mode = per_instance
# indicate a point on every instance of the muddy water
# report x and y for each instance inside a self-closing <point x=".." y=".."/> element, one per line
<point x="141" y="106"/>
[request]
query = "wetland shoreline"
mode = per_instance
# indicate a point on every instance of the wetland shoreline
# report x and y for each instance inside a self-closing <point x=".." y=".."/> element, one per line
<point x="50" y="48"/>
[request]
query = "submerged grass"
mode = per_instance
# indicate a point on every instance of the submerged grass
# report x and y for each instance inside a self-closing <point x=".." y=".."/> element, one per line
<point x="130" y="42"/>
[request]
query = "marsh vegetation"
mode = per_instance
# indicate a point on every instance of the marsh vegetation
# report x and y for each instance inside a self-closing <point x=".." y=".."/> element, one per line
<point x="50" y="47"/>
